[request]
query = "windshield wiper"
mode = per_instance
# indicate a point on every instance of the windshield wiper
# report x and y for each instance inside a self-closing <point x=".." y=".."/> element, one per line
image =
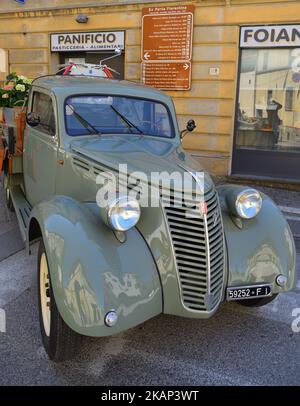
<point x="84" y="122"/>
<point x="129" y="124"/>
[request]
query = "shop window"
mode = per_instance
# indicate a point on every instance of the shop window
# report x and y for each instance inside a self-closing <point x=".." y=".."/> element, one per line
<point x="289" y="95"/>
<point x="118" y="64"/>
<point x="266" y="60"/>
<point x="270" y="96"/>
<point x="269" y="101"/>
<point x="3" y="64"/>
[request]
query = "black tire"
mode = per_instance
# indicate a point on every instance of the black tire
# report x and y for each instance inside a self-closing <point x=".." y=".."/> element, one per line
<point x="8" y="199"/>
<point x="257" y="302"/>
<point x="62" y="343"/>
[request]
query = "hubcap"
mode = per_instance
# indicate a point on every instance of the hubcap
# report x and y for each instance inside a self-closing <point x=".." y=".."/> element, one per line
<point x="45" y="294"/>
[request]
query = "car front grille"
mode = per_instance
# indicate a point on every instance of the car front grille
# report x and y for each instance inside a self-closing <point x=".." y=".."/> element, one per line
<point x="198" y="244"/>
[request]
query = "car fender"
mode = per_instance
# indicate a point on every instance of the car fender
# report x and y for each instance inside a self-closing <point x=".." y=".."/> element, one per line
<point x="262" y="248"/>
<point x="92" y="272"/>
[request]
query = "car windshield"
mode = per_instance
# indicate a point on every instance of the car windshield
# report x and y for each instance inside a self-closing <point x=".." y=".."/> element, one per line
<point x="104" y="114"/>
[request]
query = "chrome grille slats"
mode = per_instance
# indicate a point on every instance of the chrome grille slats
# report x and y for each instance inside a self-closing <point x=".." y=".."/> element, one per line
<point x="198" y="245"/>
<point x="81" y="163"/>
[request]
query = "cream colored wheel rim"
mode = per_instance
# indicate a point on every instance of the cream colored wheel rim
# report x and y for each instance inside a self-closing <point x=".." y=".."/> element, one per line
<point x="45" y="294"/>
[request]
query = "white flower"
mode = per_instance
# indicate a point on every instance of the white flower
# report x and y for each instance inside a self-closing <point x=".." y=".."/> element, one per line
<point x="5" y="96"/>
<point x="20" y="87"/>
<point x="21" y="77"/>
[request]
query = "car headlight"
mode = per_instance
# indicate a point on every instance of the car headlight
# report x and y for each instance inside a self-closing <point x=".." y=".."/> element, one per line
<point x="123" y="213"/>
<point x="248" y="203"/>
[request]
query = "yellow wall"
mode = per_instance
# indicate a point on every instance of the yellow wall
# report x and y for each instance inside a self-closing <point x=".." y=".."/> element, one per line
<point x="211" y="100"/>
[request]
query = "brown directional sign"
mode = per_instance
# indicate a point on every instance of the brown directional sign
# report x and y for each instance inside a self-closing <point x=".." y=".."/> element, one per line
<point x="167" y="33"/>
<point x="167" y="75"/>
<point x="167" y="47"/>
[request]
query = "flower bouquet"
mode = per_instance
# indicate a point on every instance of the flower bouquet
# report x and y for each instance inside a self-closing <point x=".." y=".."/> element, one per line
<point x="15" y="91"/>
<point x="13" y="95"/>
<point x="13" y="103"/>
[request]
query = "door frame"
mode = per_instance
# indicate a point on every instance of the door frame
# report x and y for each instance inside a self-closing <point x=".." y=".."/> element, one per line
<point x="44" y="137"/>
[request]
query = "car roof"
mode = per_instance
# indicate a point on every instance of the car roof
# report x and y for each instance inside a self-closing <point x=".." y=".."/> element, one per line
<point x="91" y="84"/>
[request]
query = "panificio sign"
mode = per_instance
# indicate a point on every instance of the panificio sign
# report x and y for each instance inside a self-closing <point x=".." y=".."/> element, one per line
<point x="270" y="36"/>
<point x="87" y="41"/>
<point x="167" y="75"/>
<point x="166" y="50"/>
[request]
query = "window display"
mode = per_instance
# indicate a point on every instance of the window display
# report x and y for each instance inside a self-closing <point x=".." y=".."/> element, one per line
<point x="269" y="100"/>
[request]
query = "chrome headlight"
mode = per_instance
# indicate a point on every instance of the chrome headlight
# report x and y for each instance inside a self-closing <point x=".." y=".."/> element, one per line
<point x="123" y="213"/>
<point x="248" y="203"/>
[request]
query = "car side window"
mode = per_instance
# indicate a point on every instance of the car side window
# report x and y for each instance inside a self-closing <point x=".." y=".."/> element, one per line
<point x="42" y="106"/>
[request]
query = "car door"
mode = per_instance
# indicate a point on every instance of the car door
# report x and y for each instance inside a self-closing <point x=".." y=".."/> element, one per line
<point x="40" y="147"/>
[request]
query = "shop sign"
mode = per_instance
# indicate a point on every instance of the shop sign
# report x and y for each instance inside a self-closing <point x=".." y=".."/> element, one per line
<point x="166" y="50"/>
<point x="271" y="36"/>
<point x="87" y="41"/>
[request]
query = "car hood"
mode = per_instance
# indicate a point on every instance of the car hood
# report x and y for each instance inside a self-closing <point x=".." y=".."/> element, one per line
<point x="140" y="154"/>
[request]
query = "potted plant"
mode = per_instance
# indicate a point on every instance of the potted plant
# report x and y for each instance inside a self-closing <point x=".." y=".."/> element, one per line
<point x="13" y="96"/>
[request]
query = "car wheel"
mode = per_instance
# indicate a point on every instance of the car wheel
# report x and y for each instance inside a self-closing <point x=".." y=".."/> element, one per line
<point x="8" y="199"/>
<point x="257" y="302"/>
<point x="60" y="342"/>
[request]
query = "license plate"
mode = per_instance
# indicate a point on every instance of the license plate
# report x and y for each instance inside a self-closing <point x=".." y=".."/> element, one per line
<point x="249" y="292"/>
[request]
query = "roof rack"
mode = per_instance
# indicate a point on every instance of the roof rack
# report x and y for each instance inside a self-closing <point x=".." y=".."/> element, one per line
<point x="86" y="69"/>
<point x="89" y="69"/>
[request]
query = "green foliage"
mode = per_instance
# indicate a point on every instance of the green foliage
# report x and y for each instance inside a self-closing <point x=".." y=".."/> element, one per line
<point x="15" y="91"/>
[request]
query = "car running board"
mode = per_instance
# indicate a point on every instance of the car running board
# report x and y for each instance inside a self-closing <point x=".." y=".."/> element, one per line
<point x="22" y="208"/>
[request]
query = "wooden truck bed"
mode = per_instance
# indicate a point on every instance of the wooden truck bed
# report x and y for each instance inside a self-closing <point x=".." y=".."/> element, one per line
<point x="11" y="141"/>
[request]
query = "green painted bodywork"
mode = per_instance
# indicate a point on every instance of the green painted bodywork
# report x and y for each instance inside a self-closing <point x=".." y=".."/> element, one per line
<point x="262" y="249"/>
<point x="92" y="272"/>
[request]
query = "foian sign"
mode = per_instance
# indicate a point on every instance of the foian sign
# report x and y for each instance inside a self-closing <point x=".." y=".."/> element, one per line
<point x="87" y="41"/>
<point x="270" y="36"/>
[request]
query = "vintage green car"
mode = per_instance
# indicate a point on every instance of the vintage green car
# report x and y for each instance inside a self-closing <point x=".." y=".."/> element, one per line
<point x="105" y="269"/>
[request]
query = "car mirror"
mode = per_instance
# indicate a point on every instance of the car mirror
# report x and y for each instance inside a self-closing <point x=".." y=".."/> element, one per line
<point x="190" y="126"/>
<point x="33" y="119"/>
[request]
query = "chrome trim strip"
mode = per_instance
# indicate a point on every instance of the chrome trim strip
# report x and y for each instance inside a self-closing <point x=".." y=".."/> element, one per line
<point x="209" y="310"/>
<point x="208" y="293"/>
<point x="174" y="255"/>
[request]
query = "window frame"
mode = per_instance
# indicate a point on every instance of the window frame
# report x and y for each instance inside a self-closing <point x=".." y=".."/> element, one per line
<point x="40" y="127"/>
<point x="241" y="163"/>
<point x="237" y="90"/>
<point x="289" y="95"/>
<point x="172" y="127"/>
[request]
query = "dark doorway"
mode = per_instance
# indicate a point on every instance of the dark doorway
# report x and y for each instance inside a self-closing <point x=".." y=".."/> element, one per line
<point x="95" y="57"/>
